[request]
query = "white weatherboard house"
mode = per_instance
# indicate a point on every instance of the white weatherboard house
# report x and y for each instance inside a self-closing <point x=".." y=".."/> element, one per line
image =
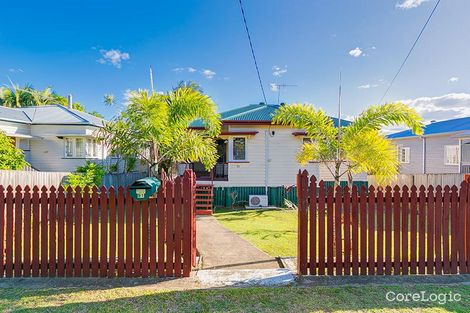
<point x="256" y="157"/>
<point x="444" y="148"/>
<point x="53" y="137"/>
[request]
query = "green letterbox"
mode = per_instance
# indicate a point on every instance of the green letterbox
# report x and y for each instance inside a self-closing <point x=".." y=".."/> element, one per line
<point x="143" y="189"/>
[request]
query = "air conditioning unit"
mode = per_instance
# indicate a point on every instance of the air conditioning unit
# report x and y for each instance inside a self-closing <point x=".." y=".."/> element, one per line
<point x="258" y="201"/>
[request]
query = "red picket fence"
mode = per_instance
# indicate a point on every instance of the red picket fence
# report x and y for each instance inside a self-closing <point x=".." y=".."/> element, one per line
<point x="376" y="232"/>
<point x="80" y="233"/>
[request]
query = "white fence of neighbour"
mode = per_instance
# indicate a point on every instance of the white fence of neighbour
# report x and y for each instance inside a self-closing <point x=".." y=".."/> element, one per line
<point x="32" y="178"/>
<point x="422" y="179"/>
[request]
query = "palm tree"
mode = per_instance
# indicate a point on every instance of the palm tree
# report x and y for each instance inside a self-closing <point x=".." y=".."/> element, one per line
<point x="355" y="148"/>
<point x="155" y="127"/>
<point x="43" y="97"/>
<point x="14" y="96"/>
<point x="108" y="99"/>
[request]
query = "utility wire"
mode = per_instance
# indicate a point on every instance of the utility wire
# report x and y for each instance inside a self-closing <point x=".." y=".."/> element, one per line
<point x="411" y="50"/>
<point x="252" y="51"/>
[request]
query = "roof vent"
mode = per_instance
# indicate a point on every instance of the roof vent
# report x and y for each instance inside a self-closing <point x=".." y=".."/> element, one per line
<point x="69" y="101"/>
<point x="433" y="121"/>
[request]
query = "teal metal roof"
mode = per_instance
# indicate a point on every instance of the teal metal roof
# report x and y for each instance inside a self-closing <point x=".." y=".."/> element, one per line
<point x="253" y="113"/>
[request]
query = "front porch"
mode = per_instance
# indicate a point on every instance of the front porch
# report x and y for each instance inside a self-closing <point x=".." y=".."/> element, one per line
<point x="219" y="172"/>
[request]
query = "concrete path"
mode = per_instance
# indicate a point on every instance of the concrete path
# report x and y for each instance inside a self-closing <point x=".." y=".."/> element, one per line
<point x="221" y="248"/>
<point x="245" y="277"/>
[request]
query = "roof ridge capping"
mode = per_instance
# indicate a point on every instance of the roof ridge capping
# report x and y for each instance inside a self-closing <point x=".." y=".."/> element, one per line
<point x="71" y="111"/>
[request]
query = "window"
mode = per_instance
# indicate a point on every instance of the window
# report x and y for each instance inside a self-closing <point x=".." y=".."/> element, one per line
<point x="79" y="151"/>
<point x="404" y="155"/>
<point x="452" y="155"/>
<point x="68" y="147"/>
<point x="80" y="147"/>
<point x="23" y="144"/>
<point x="91" y="148"/>
<point x="239" y="149"/>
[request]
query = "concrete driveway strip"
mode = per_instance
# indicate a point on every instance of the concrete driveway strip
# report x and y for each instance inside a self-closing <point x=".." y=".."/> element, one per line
<point x="221" y="248"/>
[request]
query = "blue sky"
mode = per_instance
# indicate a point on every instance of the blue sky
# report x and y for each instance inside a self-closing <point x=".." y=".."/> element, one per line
<point x="89" y="48"/>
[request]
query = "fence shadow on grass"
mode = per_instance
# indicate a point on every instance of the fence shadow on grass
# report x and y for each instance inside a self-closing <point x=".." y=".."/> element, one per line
<point x="259" y="299"/>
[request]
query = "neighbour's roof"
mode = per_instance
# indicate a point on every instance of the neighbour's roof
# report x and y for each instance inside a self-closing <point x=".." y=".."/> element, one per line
<point x="449" y="126"/>
<point x="13" y="115"/>
<point x="49" y="115"/>
<point x="253" y="114"/>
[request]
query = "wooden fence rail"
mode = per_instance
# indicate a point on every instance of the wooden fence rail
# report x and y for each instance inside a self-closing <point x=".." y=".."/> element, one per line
<point x="397" y="231"/>
<point x="55" y="232"/>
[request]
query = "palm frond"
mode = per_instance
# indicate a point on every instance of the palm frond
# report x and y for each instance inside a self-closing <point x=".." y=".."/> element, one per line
<point x="372" y="153"/>
<point x="390" y="114"/>
<point x="316" y="123"/>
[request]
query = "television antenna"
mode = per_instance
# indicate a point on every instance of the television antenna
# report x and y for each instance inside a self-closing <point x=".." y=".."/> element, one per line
<point x="279" y="86"/>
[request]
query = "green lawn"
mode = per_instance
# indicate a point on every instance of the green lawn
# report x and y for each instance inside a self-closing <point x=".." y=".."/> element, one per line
<point x="273" y="231"/>
<point x="282" y="299"/>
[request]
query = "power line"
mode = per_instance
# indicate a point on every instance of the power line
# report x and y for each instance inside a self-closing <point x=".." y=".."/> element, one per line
<point x="252" y="51"/>
<point x="411" y="50"/>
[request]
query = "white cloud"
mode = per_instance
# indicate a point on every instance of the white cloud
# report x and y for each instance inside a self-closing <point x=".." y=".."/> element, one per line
<point x="449" y="106"/>
<point x="453" y="105"/>
<point x="209" y="74"/>
<point x="278" y="71"/>
<point x="113" y="57"/>
<point x="355" y="52"/>
<point x="274" y="87"/>
<point x="367" y="86"/>
<point x="409" y="4"/>
<point x="15" y="70"/>
<point x="188" y="69"/>
<point x="453" y="79"/>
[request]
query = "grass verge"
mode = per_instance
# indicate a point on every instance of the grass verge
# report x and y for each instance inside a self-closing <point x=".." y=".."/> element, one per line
<point x="256" y="299"/>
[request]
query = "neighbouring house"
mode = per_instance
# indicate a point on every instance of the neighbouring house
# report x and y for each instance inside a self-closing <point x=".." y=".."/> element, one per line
<point x="444" y="148"/>
<point x="54" y="137"/>
<point x="256" y="157"/>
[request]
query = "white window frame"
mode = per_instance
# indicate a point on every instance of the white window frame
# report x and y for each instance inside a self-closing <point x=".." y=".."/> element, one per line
<point x="91" y="148"/>
<point x="404" y="151"/>
<point x="447" y="149"/>
<point x="82" y="147"/>
<point x="20" y="146"/>
<point x="231" y="146"/>
<point x="85" y="147"/>
<point x="72" y="143"/>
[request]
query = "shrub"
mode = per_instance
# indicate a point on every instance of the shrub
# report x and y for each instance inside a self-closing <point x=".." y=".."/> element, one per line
<point x="91" y="174"/>
<point x="11" y="158"/>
